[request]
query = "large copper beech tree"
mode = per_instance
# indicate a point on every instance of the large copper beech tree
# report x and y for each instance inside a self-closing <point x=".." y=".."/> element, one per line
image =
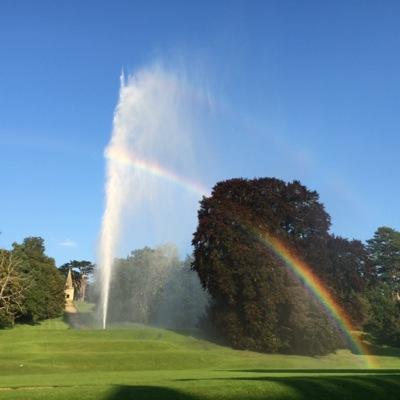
<point x="256" y="303"/>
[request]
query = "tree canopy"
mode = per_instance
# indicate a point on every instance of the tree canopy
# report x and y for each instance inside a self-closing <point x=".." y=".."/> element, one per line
<point x="252" y="292"/>
<point x="44" y="298"/>
<point x="384" y="294"/>
<point x="348" y="273"/>
<point x="384" y="250"/>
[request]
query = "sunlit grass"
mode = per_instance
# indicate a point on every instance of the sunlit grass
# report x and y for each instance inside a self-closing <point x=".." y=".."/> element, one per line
<point x="51" y="360"/>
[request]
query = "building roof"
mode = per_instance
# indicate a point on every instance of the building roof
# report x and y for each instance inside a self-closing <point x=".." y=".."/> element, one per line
<point x="68" y="283"/>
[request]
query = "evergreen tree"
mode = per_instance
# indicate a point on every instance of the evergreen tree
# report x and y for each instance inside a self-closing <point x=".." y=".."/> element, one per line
<point x="384" y="293"/>
<point x="384" y="250"/>
<point x="384" y="315"/>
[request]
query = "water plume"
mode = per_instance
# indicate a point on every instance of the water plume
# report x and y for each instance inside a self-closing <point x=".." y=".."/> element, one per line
<point x="152" y="140"/>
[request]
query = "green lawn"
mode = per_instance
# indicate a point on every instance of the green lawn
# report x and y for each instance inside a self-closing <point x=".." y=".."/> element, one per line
<point x="84" y="307"/>
<point x="52" y="361"/>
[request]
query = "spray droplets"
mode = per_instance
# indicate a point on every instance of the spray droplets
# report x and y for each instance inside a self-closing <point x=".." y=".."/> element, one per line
<point x="151" y="141"/>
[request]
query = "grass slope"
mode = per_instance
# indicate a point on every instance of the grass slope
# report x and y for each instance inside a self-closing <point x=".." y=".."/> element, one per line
<point x="51" y="361"/>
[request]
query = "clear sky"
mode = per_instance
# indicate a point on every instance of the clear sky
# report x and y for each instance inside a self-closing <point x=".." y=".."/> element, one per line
<point x="311" y="91"/>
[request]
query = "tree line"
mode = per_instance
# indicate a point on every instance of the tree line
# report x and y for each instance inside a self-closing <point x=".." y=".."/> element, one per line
<point x="234" y="287"/>
<point x="32" y="287"/>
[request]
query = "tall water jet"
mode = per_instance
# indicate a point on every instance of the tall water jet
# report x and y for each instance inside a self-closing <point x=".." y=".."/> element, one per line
<point x="151" y="141"/>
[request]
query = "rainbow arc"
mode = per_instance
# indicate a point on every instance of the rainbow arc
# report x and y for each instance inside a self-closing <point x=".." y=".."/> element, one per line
<point x="124" y="157"/>
<point x="318" y="289"/>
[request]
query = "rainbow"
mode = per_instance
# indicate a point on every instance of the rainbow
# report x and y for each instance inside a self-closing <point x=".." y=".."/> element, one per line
<point x="319" y="291"/>
<point x="124" y="157"/>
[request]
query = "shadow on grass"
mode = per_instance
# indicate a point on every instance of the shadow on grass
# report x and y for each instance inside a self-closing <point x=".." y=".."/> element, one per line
<point x="351" y="371"/>
<point x="368" y="387"/>
<point x="333" y="388"/>
<point x="148" y="393"/>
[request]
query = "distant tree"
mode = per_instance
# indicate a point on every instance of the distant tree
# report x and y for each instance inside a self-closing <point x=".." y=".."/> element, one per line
<point x="383" y="321"/>
<point x="384" y="315"/>
<point x="348" y="274"/>
<point x="384" y="251"/>
<point x="182" y="302"/>
<point x="153" y="286"/>
<point x="13" y="287"/>
<point x="137" y="283"/>
<point x="251" y="291"/>
<point x="81" y="270"/>
<point x="44" y="297"/>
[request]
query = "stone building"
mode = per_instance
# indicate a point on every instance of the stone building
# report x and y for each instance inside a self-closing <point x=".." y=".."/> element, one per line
<point x="69" y="294"/>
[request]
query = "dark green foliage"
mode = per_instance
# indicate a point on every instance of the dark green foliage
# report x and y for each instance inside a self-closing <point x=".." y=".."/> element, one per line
<point x="348" y="274"/>
<point x="384" y="315"/>
<point x="252" y="292"/>
<point x="44" y="297"/>
<point x="384" y="293"/>
<point x="305" y="329"/>
<point x="384" y="250"/>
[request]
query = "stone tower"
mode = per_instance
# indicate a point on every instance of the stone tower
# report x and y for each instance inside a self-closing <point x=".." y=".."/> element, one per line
<point x="69" y="294"/>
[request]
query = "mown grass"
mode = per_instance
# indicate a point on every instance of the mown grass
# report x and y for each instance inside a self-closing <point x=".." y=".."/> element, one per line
<point x="84" y="307"/>
<point x="52" y="361"/>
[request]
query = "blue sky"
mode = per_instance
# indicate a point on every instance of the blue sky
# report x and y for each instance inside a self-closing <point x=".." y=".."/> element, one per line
<point x="310" y="91"/>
